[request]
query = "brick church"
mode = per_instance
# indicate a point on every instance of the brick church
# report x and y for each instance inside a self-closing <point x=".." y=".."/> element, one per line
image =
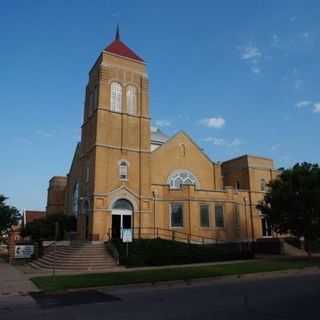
<point x="126" y="175"/>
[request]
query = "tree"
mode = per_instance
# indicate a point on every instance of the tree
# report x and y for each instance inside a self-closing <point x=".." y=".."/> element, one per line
<point x="9" y="216"/>
<point x="44" y="228"/>
<point x="292" y="204"/>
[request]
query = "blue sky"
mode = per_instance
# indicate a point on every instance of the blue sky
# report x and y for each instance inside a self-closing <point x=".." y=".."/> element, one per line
<point x="238" y="76"/>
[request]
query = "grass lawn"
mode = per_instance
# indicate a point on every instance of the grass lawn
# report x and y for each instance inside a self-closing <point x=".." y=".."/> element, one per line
<point x="64" y="282"/>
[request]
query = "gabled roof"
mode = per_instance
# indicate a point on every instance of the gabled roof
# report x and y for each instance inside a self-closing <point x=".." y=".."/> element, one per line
<point x="121" y="49"/>
<point x="183" y="133"/>
<point x="157" y="136"/>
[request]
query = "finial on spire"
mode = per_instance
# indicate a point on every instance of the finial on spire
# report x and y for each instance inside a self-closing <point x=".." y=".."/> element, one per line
<point x="117" y="33"/>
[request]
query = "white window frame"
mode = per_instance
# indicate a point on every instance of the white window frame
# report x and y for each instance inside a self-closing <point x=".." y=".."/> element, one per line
<point x="75" y="199"/>
<point x="115" y="96"/>
<point x="123" y="166"/>
<point x="132" y="99"/>
<point x="178" y="174"/>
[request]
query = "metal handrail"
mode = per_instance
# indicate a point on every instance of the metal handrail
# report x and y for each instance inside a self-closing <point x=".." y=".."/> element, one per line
<point x="171" y="234"/>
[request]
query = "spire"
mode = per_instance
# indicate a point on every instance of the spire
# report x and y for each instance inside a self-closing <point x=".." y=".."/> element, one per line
<point x="119" y="48"/>
<point x="117" y="38"/>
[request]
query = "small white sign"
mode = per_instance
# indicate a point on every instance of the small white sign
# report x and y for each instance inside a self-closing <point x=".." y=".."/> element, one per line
<point x="23" y="251"/>
<point x="126" y="235"/>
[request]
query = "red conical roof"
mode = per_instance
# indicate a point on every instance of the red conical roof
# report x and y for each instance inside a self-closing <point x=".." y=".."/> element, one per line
<point x="119" y="48"/>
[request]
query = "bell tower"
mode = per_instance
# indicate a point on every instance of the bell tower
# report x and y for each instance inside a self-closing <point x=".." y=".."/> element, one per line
<point x="115" y="143"/>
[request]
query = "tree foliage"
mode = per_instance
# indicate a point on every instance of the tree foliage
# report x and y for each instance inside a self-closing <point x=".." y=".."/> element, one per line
<point x="292" y="204"/>
<point x="44" y="228"/>
<point x="9" y="216"/>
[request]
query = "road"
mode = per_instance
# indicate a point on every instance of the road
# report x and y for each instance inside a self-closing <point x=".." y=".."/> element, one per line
<point x="272" y="297"/>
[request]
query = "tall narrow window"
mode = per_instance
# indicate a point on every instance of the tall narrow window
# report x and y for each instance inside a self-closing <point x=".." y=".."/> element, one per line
<point x="116" y="97"/>
<point x="123" y="170"/>
<point x="263" y="185"/>
<point x="204" y="216"/>
<point x="132" y="100"/>
<point x="176" y="215"/>
<point x="219" y="216"/>
<point x="75" y="199"/>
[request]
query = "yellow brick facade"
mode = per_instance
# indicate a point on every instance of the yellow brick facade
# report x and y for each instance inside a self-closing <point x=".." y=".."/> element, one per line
<point x="111" y="138"/>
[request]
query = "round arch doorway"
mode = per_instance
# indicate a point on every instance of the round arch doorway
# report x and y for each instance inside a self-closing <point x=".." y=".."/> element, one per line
<point x="122" y="217"/>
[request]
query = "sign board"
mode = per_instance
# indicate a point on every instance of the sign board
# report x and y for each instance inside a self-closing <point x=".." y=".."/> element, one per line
<point x="23" y="251"/>
<point x="126" y="235"/>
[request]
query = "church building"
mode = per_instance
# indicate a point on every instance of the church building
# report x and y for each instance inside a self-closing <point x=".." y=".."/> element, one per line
<point x="126" y="175"/>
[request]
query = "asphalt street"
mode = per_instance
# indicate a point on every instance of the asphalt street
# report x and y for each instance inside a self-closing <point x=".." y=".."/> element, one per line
<point x="271" y="297"/>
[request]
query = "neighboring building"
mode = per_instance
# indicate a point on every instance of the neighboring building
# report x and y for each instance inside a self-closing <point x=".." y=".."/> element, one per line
<point x="125" y="175"/>
<point x="32" y="215"/>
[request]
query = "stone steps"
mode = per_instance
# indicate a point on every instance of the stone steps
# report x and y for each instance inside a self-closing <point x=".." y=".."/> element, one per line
<point x="76" y="257"/>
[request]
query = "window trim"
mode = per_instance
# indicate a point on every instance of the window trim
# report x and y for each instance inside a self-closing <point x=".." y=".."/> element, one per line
<point x="128" y="87"/>
<point x="170" y="215"/>
<point x="179" y="172"/>
<point x="120" y="164"/>
<point x="111" y="97"/>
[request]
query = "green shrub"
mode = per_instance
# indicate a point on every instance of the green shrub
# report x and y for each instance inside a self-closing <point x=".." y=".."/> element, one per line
<point x="160" y="252"/>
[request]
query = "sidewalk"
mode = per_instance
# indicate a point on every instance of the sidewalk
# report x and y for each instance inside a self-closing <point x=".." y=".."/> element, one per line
<point x="31" y="273"/>
<point x="13" y="282"/>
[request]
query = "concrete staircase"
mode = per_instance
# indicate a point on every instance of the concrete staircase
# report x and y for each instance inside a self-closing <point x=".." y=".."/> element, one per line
<point x="79" y="256"/>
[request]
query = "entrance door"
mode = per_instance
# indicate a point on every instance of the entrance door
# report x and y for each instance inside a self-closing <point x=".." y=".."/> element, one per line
<point x="116" y="226"/>
<point x="122" y="212"/>
<point x="126" y="221"/>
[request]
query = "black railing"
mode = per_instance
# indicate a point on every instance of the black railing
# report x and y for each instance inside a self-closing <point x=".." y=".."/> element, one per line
<point x="169" y="234"/>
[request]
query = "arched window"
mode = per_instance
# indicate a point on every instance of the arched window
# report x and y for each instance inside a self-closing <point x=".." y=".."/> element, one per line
<point x="263" y="185"/>
<point x="123" y="170"/>
<point x="123" y="204"/>
<point x="116" y="97"/>
<point x="182" y="177"/>
<point x="75" y="199"/>
<point x="132" y="100"/>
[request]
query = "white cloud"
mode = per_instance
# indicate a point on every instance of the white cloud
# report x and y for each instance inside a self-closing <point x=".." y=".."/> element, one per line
<point x="220" y="142"/>
<point x="304" y="103"/>
<point x="255" y="69"/>
<point x="316" y="107"/>
<point x="252" y="56"/>
<point x="250" y="52"/>
<point x="213" y="122"/>
<point x="162" y="123"/>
